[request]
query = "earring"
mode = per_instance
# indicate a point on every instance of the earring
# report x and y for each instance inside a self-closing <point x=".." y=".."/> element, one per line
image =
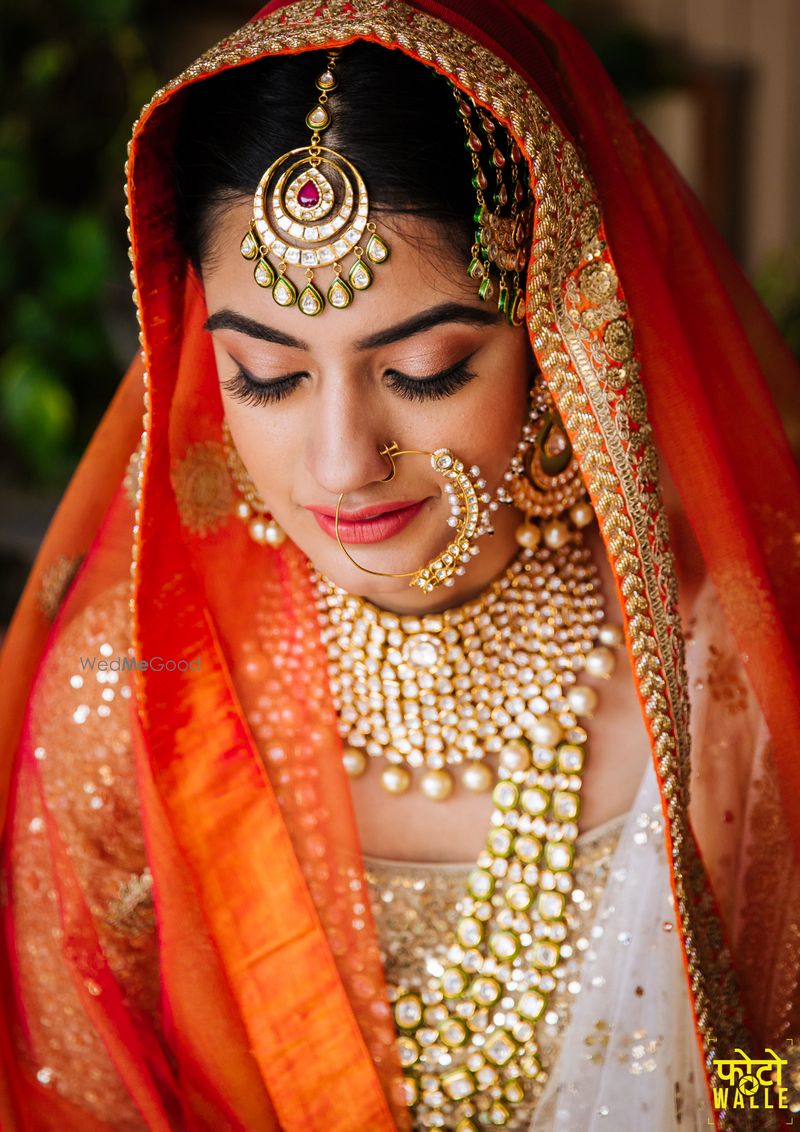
<point x="466" y="492"/>
<point x="543" y="479"/>
<point x="251" y="508"/>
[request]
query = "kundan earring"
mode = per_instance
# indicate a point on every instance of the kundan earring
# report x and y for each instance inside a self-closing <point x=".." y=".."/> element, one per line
<point x="467" y="492"/>
<point x="311" y="210"/>
<point x="543" y="480"/>
<point x="251" y="508"/>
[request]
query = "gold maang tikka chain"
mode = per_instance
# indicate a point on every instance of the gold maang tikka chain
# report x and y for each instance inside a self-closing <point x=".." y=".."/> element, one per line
<point x="504" y="221"/>
<point x="311" y="210"/>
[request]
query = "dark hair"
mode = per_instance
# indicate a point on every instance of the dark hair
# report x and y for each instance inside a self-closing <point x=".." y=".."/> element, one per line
<point x="394" y="118"/>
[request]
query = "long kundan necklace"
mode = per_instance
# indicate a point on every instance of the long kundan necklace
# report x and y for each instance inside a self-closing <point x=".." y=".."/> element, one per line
<point x="496" y="679"/>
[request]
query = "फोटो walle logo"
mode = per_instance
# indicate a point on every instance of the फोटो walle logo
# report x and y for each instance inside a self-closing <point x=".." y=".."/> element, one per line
<point x="748" y="1082"/>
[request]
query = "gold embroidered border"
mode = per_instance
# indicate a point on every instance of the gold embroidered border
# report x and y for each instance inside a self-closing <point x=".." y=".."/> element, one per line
<point x="592" y="371"/>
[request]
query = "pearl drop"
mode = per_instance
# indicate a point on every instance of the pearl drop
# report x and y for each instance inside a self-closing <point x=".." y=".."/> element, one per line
<point x="612" y="636"/>
<point x="258" y="531"/>
<point x="528" y="535"/>
<point x="355" y="761"/>
<point x="555" y="534"/>
<point x="274" y="535"/>
<point x="600" y="662"/>
<point x="546" y="731"/>
<point x="583" y="700"/>
<point x="478" y="778"/>
<point x="396" y="779"/>
<point x="581" y="514"/>
<point x="243" y="510"/>
<point x="515" y="755"/>
<point x="437" y="785"/>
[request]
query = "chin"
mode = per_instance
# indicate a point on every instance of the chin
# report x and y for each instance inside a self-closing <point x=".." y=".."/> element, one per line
<point x="348" y="577"/>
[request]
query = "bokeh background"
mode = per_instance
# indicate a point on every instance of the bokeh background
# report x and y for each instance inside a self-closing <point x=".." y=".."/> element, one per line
<point x="716" y="80"/>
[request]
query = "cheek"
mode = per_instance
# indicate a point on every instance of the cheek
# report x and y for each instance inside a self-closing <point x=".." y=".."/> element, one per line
<point x="490" y="421"/>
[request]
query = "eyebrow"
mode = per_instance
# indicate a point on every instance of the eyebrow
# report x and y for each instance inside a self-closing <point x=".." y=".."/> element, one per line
<point x="463" y="313"/>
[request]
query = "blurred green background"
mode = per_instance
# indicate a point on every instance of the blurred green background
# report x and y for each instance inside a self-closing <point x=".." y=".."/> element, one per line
<point x="74" y="76"/>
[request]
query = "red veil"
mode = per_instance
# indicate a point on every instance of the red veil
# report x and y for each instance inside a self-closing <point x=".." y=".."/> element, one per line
<point x="183" y="943"/>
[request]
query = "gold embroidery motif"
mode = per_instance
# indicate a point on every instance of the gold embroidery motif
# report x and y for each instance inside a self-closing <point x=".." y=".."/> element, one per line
<point x="55" y="582"/>
<point x="132" y="912"/>
<point x="618" y="340"/>
<point x="599" y="282"/>
<point x="724" y="681"/>
<point x="744" y="598"/>
<point x="203" y="488"/>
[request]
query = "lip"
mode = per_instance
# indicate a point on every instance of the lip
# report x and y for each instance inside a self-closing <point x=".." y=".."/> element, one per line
<point x="376" y="523"/>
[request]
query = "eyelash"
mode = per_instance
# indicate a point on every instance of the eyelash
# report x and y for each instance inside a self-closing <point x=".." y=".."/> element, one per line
<point x="244" y="387"/>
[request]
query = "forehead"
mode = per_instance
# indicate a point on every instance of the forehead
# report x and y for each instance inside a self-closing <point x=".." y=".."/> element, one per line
<point x="423" y="270"/>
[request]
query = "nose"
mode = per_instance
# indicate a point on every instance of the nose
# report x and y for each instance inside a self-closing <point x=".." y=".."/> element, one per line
<point x="346" y="434"/>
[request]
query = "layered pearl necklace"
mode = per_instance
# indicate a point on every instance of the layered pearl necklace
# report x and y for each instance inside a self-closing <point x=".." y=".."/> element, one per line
<point x="497" y="676"/>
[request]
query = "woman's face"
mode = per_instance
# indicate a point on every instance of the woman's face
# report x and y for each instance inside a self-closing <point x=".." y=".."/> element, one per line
<point x="417" y="359"/>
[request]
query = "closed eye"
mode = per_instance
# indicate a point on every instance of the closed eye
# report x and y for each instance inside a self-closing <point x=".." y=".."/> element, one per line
<point x="434" y="387"/>
<point x="248" y="389"/>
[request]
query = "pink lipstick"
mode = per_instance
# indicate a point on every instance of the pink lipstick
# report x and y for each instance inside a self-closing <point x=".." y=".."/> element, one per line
<point x="369" y="524"/>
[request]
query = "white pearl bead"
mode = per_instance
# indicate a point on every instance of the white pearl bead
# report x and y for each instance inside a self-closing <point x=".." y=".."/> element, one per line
<point x="515" y="755"/>
<point x="355" y="761"/>
<point x="275" y="536"/>
<point x="555" y="534"/>
<point x="528" y="535"/>
<point x="582" y="699"/>
<point x="243" y="510"/>
<point x="396" y="779"/>
<point x="612" y="636"/>
<point x="478" y="778"/>
<point x="546" y="731"/>
<point x="436" y="785"/>
<point x="600" y="662"/>
<point x="258" y="531"/>
<point x="581" y="514"/>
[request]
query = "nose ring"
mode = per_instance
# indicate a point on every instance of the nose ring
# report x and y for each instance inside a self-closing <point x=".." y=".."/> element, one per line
<point x="391" y="451"/>
<point x="462" y="486"/>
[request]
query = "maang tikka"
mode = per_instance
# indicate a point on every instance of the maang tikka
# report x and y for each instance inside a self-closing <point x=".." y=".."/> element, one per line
<point x="311" y="210"/>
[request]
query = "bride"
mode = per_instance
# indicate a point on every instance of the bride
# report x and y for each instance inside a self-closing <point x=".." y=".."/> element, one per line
<point x="399" y="721"/>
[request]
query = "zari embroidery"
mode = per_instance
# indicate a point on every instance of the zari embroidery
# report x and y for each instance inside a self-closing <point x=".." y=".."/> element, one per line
<point x="203" y="489"/>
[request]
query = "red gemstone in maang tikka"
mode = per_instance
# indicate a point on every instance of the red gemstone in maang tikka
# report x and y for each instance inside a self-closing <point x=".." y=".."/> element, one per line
<point x="309" y="195"/>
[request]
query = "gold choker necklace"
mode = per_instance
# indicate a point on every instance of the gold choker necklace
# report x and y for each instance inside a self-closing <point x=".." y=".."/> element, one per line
<point x="450" y="690"/>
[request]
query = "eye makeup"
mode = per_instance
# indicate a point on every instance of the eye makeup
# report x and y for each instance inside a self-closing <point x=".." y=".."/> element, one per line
<point x="244" y="387"/>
